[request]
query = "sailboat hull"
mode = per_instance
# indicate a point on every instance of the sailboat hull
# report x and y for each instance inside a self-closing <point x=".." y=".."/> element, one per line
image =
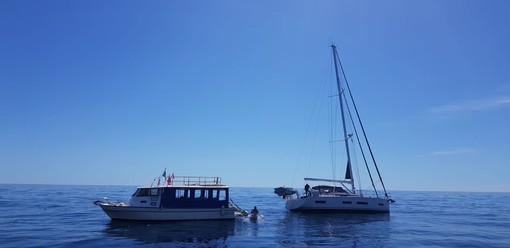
<point x="349" y="203"/>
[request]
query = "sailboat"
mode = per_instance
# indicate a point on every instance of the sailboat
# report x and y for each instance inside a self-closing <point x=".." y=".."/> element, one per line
<point x="331" y="195"/>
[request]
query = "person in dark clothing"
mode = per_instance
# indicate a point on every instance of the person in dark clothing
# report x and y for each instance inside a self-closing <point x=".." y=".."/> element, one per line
<point x="307" y="189"/>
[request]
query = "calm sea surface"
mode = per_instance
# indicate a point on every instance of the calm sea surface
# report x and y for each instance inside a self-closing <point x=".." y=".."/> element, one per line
<point x="64" y="216"/>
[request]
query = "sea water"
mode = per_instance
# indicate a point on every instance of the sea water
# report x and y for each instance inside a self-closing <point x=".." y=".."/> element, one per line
<point x="64" y="216"/>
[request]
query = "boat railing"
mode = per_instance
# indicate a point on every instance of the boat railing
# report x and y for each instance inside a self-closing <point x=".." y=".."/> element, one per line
<point x="197" y="181"/>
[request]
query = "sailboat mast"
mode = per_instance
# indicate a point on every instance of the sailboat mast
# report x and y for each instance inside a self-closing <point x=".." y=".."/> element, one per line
<point x="348" y="174"/>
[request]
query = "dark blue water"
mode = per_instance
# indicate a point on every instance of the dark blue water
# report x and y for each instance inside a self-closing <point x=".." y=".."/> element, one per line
<point x="64" y="216"/>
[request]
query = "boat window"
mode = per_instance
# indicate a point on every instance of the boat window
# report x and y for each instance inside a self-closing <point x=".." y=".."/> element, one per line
<point x="195" y="193"/>
<point x="222" y="195"/>
<point x="362" y="203"/>
<point x="180" y="193"/>
<point x="347" y="202"/>
<point x="143" y="192"/>
<point x="154" y="192"/>
<point x="204" y="194"/>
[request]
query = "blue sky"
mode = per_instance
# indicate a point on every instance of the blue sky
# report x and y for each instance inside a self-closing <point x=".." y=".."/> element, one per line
<point x="114" y="92"/>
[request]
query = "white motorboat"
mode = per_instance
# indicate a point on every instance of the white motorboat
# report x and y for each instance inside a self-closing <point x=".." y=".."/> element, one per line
<point x="180" y="198"/>
<point x="331" y="195"/>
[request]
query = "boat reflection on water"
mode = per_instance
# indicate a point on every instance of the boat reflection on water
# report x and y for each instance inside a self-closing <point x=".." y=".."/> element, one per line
<point x="333" y="229"/>
<point x="214" y="232"/>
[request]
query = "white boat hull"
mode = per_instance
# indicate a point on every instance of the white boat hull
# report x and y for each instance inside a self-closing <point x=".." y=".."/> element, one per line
<point x="161" y="214"/>
<point x="349" y="203"/>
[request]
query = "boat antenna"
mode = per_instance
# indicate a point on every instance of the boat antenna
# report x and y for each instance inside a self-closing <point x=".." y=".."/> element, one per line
<point x="348" y="173"/>
<point x="359" y="119"/>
